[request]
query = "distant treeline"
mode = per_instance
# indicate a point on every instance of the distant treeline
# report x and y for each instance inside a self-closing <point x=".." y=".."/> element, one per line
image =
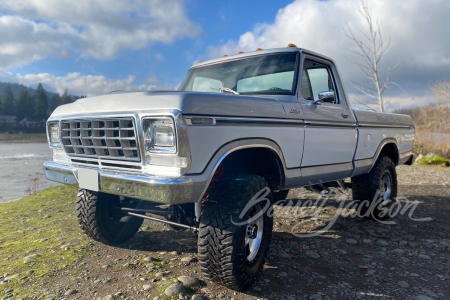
<point x="434" y="118"/>
<point x="33" y="104"/>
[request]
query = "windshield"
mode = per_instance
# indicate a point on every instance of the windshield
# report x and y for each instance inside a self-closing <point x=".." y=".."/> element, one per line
<point x="267" y="74"/>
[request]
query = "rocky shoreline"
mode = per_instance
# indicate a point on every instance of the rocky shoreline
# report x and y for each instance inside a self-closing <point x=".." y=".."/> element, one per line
<point x="43" y="255"/>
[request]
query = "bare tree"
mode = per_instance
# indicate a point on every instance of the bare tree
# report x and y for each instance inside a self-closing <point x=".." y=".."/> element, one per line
<point x="442" y="90"/>
<point x="371" y="49"/>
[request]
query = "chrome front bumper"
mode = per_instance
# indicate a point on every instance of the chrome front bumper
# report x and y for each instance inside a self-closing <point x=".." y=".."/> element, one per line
<point x="134" y="185"/>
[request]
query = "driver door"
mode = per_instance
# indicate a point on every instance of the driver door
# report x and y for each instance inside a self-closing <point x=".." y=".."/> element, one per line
<point x="330" y="132"/>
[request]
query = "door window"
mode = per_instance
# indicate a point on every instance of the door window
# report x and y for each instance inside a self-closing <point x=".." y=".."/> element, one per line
<point x="317" y="78"/>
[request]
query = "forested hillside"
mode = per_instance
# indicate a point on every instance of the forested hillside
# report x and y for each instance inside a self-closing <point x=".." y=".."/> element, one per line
<point x="34" y="104"/>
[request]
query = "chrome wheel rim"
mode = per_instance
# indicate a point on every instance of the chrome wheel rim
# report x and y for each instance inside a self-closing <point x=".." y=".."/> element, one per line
<point x="253" y="234"/>
<point x="386" y="188"/>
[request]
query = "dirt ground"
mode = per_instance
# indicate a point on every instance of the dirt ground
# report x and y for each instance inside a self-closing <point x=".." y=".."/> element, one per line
<point x="354" y="259"/>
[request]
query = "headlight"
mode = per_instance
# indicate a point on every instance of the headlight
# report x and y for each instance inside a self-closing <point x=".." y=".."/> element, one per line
<point x="53" y="134"/>
<point x="160" y="135"/>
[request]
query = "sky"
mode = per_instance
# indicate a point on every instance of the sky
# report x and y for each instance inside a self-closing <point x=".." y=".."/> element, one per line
<point x="93" y="47"/>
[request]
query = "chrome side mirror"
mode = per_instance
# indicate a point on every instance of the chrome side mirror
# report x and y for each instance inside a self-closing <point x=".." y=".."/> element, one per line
<point x="324" y="96"/>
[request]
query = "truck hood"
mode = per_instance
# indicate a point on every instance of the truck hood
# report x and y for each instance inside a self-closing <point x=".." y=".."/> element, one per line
<point x="165" y="101"/>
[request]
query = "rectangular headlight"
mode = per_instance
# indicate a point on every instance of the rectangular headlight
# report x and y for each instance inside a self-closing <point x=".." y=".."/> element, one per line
<point x="53" y="134"/>
<point x="160" y="135"/>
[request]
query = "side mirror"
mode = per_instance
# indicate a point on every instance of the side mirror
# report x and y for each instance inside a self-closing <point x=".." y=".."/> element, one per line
<point x="326" y="96"/>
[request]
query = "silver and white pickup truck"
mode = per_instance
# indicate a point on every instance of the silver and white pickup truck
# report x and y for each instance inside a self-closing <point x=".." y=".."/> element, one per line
<point x="239" y="132"/>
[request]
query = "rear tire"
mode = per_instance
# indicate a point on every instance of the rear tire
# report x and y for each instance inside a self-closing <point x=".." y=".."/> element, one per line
<point x="233" y="254"/>
<point x="376" y="191"/>
<point x="100" y="221"/>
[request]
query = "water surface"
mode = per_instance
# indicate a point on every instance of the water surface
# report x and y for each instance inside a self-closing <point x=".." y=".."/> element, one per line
<point x="21" y="169"/>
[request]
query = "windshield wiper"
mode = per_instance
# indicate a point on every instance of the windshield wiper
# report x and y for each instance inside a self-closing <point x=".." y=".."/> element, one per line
<point x="225" y="89"/>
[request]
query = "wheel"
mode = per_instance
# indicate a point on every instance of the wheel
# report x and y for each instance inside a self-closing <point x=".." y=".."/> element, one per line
<point x="234" y="237"/>
<point x="376" y="191"/>
<point x="280" y="195"/>
<point x="100" y="220"/>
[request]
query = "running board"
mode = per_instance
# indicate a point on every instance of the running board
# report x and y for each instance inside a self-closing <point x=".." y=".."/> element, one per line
<point x="195" y="229"/>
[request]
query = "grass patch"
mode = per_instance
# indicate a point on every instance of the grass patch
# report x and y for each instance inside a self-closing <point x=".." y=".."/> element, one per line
<point x="44" y="228"/>
<point x="433" y="159"/>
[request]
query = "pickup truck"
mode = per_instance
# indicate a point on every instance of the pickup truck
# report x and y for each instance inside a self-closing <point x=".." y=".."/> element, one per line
<point x="238" y="133"/>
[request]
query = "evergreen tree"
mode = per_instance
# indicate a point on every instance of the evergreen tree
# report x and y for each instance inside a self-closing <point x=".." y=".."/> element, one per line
<point x="22" y="105"/>
<point x="40" y="103"/>
<point x="7" y="103"/>
<point x="55" y="101"/>
<point x="66" y="98"/>
<point x="29" y="111"/>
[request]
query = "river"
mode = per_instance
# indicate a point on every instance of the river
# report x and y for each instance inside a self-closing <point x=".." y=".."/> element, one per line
<point x="21" y="169"/>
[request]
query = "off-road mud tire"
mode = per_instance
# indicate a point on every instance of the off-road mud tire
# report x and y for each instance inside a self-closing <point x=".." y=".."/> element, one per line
<point x="221" y="244"/>
<point x="365" y="187"/>
<point x="99" y="222"/>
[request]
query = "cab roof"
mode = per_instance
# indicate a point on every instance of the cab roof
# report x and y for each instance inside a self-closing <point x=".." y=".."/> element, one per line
<point x="258" y="52"/>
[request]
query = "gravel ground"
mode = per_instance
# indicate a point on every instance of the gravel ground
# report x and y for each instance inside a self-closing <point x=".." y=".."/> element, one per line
<point x="354" y="259"/>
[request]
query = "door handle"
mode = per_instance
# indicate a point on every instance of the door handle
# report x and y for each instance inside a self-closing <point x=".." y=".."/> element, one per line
<point x="344" y="116"/>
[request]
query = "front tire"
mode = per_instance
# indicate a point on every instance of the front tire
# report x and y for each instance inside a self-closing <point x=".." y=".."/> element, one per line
<point x="101" y="221"/>
<point x="232" y="250"/>
<point x="376" y="191"/>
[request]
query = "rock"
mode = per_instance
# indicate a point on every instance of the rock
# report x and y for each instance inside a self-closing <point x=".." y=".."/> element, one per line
<point x="312" y="254"/>
<point x="282" y="274"/>
<point x="422" y="297"/>
<point x="108" y="297"/>
<point x="66" y="246"/>
<point x="403" y="284"/>
<point x="187" y="259"/>
<point x="7" y="278"/>
<point x="174" y="253"/>
<point x="43" y="240"/>
<point x="398" y="251"/>
<point x="175" y="289"/>
<point x="147" y="287"/>
<point x="419" y="157"/>
<point x="349" y="241"/>
<point x="381" y="243"/>
<point x="66" y="229"/>
<point x="31" y="256"/>
<point x="117" y="295"/>
<point x="189" y="281"/>
<point x="29" y="261"/>
<point x="367" y="241"/>
<point x="70" y="292"/>
<point x="315" y="297"/>
<point x="149" y="259"/>
<point x="423" y="256"/>
<point x="198" y="297"/>
<point x="30" y="272"/>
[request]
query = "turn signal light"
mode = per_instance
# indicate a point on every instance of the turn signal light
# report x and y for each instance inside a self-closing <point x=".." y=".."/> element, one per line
<point x="240" y="52"/>
<point x="259" y="49"/>
<point x="292" y="45"/>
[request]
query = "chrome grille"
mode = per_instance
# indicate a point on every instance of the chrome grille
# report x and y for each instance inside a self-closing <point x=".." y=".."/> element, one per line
<point x="112" y="138"/>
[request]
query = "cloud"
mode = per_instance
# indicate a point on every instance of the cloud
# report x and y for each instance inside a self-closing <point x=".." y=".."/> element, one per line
<point x="419" y="38"/>
<point x="89" y="85"/>
<point x="32" y="30"/>
<point x="159" y="57"/>
<point x="392" y="103"/>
